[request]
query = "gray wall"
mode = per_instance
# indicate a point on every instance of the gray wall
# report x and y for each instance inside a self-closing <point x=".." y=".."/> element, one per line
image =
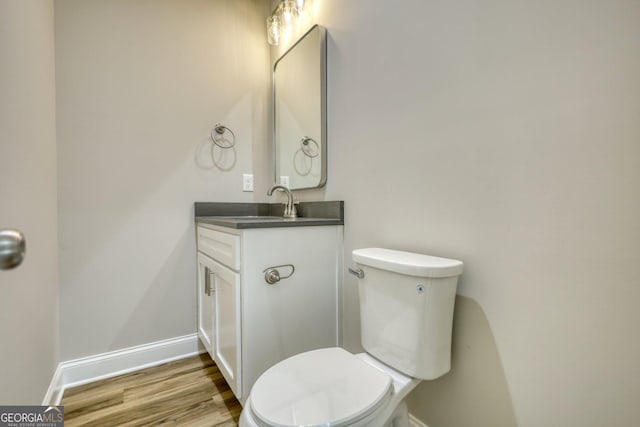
<point x="505" y="134"/>
<point x="28" y="192"/>
<point x="140" y="85"/>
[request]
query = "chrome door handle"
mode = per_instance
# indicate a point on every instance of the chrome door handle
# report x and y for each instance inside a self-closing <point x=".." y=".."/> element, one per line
<point x="12" y="248"/>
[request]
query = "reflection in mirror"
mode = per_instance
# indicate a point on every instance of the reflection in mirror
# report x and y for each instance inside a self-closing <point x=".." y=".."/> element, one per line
<point x="299" y="81"/>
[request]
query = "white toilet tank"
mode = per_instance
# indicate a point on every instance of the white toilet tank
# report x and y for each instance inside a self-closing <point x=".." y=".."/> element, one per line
<point x="406" y="309"/>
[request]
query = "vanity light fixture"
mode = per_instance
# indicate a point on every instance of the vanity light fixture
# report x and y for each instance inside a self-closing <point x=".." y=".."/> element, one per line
<point x="281" y="22"/>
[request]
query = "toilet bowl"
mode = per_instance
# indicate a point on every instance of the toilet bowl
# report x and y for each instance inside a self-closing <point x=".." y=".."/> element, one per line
<point x="327" y="387"/>
<point x="406" y="303"/>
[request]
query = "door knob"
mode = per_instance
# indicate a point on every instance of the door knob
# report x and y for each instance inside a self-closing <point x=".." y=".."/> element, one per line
<point x="12" y="248"/>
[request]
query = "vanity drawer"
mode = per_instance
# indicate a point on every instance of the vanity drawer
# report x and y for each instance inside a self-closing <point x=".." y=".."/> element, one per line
<point x="223" y="247"/>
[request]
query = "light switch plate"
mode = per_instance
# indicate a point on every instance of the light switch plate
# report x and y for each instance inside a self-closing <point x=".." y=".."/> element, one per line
<point x="284" y="180"/>
<point x="247" y="182"/>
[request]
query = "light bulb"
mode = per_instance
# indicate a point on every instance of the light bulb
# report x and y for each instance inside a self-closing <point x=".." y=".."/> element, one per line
<point x="287" y="10"/>
<point x="273" y="30"/>
<point x="299" y="5"/>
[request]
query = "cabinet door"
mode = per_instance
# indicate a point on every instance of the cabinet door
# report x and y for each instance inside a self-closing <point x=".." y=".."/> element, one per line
<point x="227" y="325"/>
<point x="206" y="303"/>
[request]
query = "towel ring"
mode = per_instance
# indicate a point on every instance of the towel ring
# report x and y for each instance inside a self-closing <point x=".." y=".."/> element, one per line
<point x="302" y="164"/>
<point x="217" y="136"/>
<point x="305" y="146"/>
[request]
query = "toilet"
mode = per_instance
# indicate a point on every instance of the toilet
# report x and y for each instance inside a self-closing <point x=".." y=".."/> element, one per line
<point x="406" y="313"/>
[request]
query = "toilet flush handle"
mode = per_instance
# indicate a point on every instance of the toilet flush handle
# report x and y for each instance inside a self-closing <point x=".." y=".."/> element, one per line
<point x="358" y="273"/>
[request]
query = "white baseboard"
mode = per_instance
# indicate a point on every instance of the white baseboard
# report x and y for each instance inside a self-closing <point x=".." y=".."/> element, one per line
<point x="55" y="390"/>
<point x="106" y="365"/>
<point x="414" y="422"/>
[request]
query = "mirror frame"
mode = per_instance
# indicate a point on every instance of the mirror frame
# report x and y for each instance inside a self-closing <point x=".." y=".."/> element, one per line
<point x="323" y="107"/>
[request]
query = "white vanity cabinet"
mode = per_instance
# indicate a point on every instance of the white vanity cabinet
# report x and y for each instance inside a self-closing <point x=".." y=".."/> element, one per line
<point x="248" y="325"/>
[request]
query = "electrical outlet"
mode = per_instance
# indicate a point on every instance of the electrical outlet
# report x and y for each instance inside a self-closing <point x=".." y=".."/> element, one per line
<point x="284" y="180"/>
<point x="247" y="182"/>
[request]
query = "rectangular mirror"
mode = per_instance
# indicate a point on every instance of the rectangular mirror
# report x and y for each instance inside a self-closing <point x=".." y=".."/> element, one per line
<point x="299" y="129"/>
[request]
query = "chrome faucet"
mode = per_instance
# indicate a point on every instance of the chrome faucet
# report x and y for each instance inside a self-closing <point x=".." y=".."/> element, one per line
<point x="290" y="210"/>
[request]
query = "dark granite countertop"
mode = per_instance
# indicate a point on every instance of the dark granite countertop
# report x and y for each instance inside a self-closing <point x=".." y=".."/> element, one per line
<point x="268" y="215"/>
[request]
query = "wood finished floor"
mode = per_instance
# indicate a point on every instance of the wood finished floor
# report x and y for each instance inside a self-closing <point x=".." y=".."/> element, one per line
<point x="187" y="392"/>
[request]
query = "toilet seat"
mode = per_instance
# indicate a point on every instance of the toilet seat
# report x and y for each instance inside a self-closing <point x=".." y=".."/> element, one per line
<point x="326" y="387"/>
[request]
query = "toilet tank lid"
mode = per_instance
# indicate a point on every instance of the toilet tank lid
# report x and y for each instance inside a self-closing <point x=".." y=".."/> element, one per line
<point x="408" y="263"/>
